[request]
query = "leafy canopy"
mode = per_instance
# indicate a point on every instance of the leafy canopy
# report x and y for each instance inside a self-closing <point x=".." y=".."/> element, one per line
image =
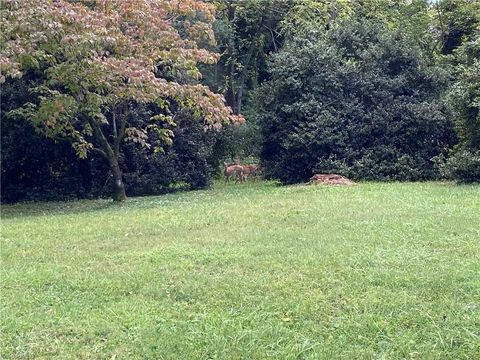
<point x="92" y="55"/>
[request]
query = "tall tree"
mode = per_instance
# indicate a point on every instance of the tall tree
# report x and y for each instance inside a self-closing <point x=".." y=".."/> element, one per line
<point x="458" y="27"/>
<point x="457" y="21"/>
<point x="245" y="30"/>
<point x="93" y="60"/>
<point x="464" y="96"/>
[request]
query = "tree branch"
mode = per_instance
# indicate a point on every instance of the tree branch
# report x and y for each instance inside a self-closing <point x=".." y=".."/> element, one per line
<point x="114" y="122"/>
<point x="121" y="133"/>
<point x="273" y="37"/>
<point x="97" y="132"/>
<point x="442" y="27"/>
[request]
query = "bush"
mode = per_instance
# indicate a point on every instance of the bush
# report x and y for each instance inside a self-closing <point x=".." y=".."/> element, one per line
<point x="37" y="168"/>
<point x="183" y="165"/>
<point x="358" y="101"/>
<point x="34" y="167"/>
<point x="464" y="96"/>
<point x="463" y="166"/>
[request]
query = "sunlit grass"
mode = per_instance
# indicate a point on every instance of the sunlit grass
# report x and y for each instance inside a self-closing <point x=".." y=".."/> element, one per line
<point x="246" y="272"/>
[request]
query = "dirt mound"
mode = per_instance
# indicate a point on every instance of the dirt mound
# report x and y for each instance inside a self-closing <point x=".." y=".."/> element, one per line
<point x="330" y="179"/>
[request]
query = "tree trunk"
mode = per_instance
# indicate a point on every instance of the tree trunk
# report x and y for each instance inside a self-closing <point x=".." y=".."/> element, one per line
<point x="112" y="155"/>
<point x="230" y="93"/>
<point x="118" y="185"/>
<point x="238" y="107"/>
<point x="241" y="82"/>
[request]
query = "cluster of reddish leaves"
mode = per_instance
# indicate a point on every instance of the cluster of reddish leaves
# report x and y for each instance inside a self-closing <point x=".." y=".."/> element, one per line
<point x="101" y="52"/>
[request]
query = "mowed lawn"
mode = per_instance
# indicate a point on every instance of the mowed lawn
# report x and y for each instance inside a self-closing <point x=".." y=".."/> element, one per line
<point x="256" y="271"/>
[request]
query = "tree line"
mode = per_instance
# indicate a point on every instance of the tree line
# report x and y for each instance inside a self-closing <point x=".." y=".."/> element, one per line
<point x="108" y="98"/>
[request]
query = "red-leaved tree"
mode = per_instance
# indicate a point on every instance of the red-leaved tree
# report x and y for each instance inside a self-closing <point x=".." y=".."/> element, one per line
<point x="94" y="58"/>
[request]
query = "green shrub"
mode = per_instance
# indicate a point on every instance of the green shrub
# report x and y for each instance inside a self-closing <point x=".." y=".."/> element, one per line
<point x="359" y="101"/>
<point x="463" y="166"/>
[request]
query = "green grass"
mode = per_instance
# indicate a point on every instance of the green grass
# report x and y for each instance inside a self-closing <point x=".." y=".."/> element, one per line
<point x="384" y="271"/>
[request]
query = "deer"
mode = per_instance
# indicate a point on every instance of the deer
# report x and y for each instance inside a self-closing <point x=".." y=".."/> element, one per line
<point x="251" y="170"/>
<point x="230" y="170"/>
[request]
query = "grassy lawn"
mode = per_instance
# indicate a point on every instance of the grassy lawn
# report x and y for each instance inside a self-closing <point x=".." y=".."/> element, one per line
<point x="385" y="271"/>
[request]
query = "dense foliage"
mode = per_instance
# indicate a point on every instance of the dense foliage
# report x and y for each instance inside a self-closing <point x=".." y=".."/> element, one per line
<point x="359" y="101"/>
<point x="39" y="168"/>
<point x="247" y="33"/>
<point x="95" y="101"/>
<point x="464" y="95"/>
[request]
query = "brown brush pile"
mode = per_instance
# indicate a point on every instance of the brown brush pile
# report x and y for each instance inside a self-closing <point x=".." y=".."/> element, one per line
<point x="330" y="179"/>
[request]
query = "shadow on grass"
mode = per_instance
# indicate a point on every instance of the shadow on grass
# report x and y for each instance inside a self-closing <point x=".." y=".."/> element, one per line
<point x="36" y="209"/>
